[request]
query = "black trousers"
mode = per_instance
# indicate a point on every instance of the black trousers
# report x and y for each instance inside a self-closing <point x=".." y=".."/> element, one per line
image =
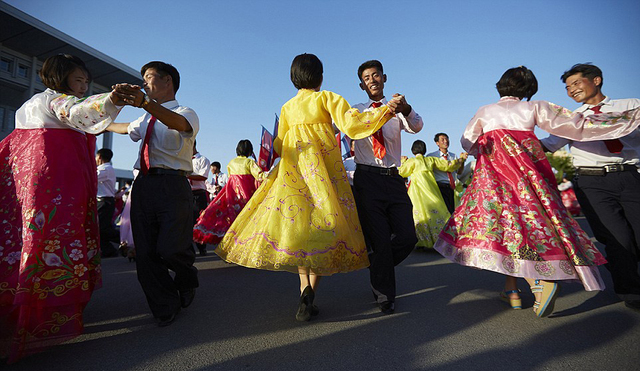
<point x="108" y="233"/>
<point x="200" y="202"/>
<point x="448" y="196"/>
<point x="161" y="221"/>
<point x="611" y="204"/>
<point x="385" y="213"/>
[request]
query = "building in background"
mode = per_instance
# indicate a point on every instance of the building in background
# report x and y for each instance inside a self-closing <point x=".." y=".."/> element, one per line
<point x="25" y="42"/>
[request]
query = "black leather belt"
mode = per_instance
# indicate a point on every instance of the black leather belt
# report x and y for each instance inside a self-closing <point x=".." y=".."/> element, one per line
<point x="601" y="171"/>
<point x="161" y="171"/>
<point x="378" y="170"/>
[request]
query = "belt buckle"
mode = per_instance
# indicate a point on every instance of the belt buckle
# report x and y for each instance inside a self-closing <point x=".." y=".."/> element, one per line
<point x="611" y="168"/>
<point x="385" y="171"/>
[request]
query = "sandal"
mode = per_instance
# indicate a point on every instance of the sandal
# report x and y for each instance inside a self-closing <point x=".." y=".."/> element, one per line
<point x="515" y="303"/>
<point x="549" y="294"/>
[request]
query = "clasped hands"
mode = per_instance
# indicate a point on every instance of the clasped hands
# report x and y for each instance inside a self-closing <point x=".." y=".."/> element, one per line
<point x="127" y="94"/>
<point x="398" y="104"/>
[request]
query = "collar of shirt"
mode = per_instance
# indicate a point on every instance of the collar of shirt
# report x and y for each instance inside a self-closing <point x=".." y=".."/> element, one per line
<point x="370" y="102"/>
<point x="585" y="107"/>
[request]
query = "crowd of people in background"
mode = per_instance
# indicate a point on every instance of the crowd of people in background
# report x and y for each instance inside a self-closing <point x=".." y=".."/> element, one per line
<point x="315" y="212"/>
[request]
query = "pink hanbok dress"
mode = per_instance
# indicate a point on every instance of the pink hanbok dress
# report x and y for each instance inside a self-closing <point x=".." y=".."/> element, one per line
<point x="216" y="219"/>
<point x="512" y="219"/>
<point x="49" y="252"/>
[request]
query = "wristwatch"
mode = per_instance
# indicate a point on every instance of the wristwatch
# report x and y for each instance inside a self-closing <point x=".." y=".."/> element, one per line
<point x="145" y="100"/>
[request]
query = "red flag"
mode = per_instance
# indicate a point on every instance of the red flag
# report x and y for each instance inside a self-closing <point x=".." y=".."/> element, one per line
<point x="266" y="143"/>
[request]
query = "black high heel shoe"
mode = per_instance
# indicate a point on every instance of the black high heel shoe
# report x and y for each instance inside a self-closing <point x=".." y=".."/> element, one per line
<point x="306" y="305"/>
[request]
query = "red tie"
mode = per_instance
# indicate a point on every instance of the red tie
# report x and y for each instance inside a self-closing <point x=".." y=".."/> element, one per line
<point x="452" y="183"/>
<point x="144" y="153"/>
<point x="378" y="139"/>
<point x="613" y="145"/>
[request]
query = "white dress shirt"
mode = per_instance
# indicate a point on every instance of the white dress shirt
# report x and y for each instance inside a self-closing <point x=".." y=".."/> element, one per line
<point x="350" y="168"/>
<point x="441" y="176"/>
<point x="596" y="154"/>
<point x="106" y="180"/>
<point x="168" y="148"/>
<point x="216" y="179"/>
<point x="200" y="167"/>
<point x="412" y="124"/>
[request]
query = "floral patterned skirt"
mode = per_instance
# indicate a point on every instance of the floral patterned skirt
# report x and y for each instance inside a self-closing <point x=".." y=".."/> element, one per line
<point x="49" y="261"/>
<point x="512" y="220"/>
<point x="216" y="219"/>
<point x="303" y="214"/>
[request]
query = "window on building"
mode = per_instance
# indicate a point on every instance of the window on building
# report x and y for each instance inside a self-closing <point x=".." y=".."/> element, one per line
<point x="2" y="120"/>
<point x="6" y="65"/>
<point x="23" y="71"/>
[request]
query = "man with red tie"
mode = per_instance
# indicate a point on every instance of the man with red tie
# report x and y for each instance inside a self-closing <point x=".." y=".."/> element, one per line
<point x="446" y="181"/>
<point x="384" y="208"/>
<point x="161" y="199"/>
<point x="607" y="182"/>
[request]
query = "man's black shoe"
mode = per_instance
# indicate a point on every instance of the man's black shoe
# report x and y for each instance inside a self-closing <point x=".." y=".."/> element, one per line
<point x="166" y="320"/>
<point x="186" y="297"/>
<point x="633" y="304"/>
<point x="387" y="307"/>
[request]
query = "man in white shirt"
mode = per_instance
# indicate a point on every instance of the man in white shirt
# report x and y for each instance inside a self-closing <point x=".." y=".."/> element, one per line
<point x="161" y="198"/>
<point x="106" y="203"/>
<point x="446" y="181"/>
<point x="607" y="182"/>
<point x="384" y="207"/>
<point x="218" y="180"/>
<point x="198" y="180"/>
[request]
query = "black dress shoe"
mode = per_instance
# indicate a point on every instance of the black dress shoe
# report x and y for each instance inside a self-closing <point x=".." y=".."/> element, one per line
<point x="166" y="320"/>
<point x="387" y="307"/>
<point x="306" y="305"/>
<point x="203" y="251"/>
<point x="186" y="297"/>
<point x="632" y="304"/>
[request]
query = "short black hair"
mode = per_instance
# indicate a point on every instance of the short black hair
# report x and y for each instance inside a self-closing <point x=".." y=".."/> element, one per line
<point x="216" y="164"/>
<point x="518" y="82"/>
<point x="419" y="147"/>
<point x="306" y="71"/>
<point x="163" y="69"/>
<point x="244" y="148"/>
<point x="105" y="154"/>
<point x="369" y="64"/>
<point x="57" y="68"/>
<point x="436" y="138"/>
<point x="587" y="70"/>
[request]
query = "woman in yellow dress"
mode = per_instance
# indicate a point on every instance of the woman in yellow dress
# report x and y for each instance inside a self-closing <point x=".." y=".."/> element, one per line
<point x="302" y="218"/>
<point x="430" y="213"/>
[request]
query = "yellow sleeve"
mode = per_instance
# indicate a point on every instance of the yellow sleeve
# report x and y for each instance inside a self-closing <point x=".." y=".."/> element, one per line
<point x="446" y="165"/>
<point x="255" y="170"/>
<point x="356" y="124"/>
<point x="407" y="167"/>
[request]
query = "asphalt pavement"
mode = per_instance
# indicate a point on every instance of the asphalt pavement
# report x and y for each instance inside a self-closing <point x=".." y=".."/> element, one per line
<point x="448" y="317"/>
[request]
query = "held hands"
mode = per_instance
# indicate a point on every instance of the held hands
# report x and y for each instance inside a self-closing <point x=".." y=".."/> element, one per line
<point x="464" y="156"/>
<point x="128" y="94"/>
<point x="399" y="105"/>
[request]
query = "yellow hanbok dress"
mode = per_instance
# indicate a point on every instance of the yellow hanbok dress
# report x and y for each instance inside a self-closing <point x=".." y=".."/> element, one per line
<point x="304" y="214"/>
<point x="430" y="213"/>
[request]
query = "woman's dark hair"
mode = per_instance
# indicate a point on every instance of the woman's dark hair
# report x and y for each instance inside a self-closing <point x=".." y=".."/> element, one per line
<point x="306" y="71"/>
<point x="244" y="148"/>
<point x="56" y="69"/>
<point x="163" y="69"/>
<point x="518" y="82"/>
<point x="587" y="70"/>
<point x="419" y="147"/>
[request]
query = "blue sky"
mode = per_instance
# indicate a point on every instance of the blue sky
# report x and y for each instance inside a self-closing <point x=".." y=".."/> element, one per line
<point x="445" y="56"/>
